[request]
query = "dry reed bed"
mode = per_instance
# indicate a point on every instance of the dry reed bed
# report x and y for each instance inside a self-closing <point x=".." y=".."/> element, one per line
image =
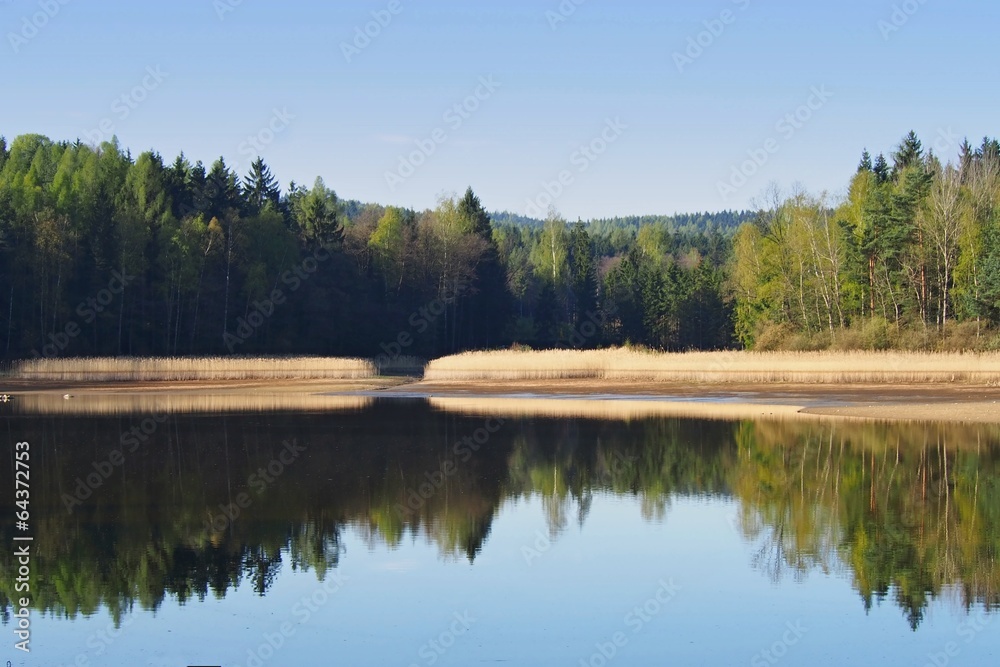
<point x="156" y="404"/>
<point x="132" y="369"/>
<point x="721" y="367"/>
<point x="626" y="410"/>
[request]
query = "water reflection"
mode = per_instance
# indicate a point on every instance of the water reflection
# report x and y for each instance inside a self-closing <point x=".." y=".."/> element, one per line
<point x="193" y="506"/>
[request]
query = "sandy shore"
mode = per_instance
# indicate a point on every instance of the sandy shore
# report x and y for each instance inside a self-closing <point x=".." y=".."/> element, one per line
<point x="952" y="403"/>
<point x="118" y="398"/>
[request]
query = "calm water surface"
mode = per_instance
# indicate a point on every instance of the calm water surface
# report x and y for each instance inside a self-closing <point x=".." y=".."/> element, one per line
<point x="395" y="533"/>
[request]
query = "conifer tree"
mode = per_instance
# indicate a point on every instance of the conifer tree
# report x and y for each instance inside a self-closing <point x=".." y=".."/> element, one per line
<point x="260" y="187"/>
<point x="866" y="161"/>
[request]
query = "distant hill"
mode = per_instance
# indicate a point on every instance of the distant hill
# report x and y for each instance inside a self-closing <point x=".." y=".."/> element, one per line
<point x="352" y="208"/>
<point x="724" y="222"/>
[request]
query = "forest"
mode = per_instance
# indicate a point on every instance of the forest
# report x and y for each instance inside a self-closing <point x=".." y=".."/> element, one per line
<point x="909" y="258"/>
<point x="106" y="253"/>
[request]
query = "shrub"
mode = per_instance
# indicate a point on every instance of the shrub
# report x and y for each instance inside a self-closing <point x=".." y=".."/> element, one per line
<point x="773" y="336"/>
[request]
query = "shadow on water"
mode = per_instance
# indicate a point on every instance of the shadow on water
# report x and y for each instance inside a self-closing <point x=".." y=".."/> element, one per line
<point x="129" y="510"/>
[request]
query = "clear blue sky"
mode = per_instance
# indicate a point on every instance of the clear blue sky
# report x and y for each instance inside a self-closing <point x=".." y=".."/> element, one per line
<point x="227" y="71"/>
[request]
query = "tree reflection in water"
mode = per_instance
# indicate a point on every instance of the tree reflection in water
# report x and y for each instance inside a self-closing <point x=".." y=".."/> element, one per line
<point x="908" y="512"/>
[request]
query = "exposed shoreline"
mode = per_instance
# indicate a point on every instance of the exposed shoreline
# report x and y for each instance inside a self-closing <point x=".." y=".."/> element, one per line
<point x="924" y="402"/>
<point x="928" y="402"/>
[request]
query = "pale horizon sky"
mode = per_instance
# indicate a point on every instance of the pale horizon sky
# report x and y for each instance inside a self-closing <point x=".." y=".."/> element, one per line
<point x="534" y="81"/>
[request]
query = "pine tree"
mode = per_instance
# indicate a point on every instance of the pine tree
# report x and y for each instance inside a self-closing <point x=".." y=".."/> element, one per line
<point x="471" y="209"/>
<point x="910" y="152"/>
<point x="866" y="162"/>
<point x="989" y="150"/>
<point x="583" y="274"/>
<point x="317" y="214"/>
<point x="990" y="294"/>
<point x="881" y="169"/>
<point x="178" y="184"/>
<point x="623" y="289"/>
<point x="966" y="155"/>
<point x="197" y="181"/>
<point x="221" y="192"/>
<point x="492" y="306"/>
<point x="260" y="187"/>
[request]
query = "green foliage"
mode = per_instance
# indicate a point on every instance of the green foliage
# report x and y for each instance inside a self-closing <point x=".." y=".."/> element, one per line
<point x="915" y="246"/>
<point x="907" y="254"/>
<point x="316" y="214"/>
<point x="260" y="187"/>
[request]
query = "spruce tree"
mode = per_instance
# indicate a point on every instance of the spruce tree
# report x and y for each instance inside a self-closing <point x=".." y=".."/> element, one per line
<point x="317" y="214"/>
<point x="583" y="275"/>
<point x="260" y="187"/>
<point x="966" y="155"/>
<point x="881" y="169"/>
<point x="221" y="192"/>
<point x="178" y="184"/>
<point x="471" y="210"/>
<point x="492" y="306"/>
<point x="866" y="162"/>
<point x="990" y="149"/>
<point x="910" y="152"/>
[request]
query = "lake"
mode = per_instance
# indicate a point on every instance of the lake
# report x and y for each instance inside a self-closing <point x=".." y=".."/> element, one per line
<point x="399" y="532"/>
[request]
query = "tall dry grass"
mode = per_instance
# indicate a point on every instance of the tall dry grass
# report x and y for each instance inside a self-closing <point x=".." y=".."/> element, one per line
<point x="141" y="403"/>
<point x="134" y="369"/>
<point x="721" y="367"/>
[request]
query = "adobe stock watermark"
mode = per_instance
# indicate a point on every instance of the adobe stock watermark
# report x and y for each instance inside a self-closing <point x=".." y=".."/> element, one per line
<point x="106" y="467"/>
<point x="462" y="452"/>
<point x="901" y="15"/>
<point x="562" y="13"/>
<point x="87" y="310"/>
<point x="618" y="465"/>
<point x="582" y="160"/>
<point x="773" y="654"/>
<point x="365" y="36"/>
<point x="255" y="143"/>
<point x="99" y="641"/>
<point x="420" y="321"/>
<point x="123" y="105"/>
<point x="968" y="631"/>
<point x="33" y="24"/>
<point x="223" y="7"/>
<point x="591" y="326"/>
<point x="434" y="649"/>
<point x="786" y="127"/>
<point x="946" y="140"/>
<point x="264" y="309"/>
<point x="251" y="148"/>
<point x="635" y="620"/>
<point x="257" y="482"/>
<point x="698" y="44"/>
<point x="541" y="546"/>
<point x="302" y="612"/>
<point x="454" y="118"/>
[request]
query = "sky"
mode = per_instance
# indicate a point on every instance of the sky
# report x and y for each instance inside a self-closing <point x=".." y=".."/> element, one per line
<point x="595" y="108"/>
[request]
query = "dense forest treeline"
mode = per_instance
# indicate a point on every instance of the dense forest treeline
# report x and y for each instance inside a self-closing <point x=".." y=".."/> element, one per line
<point x="907" y="513"/>
<point x="910" y="258"/>
<point x="104" y="253"/>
